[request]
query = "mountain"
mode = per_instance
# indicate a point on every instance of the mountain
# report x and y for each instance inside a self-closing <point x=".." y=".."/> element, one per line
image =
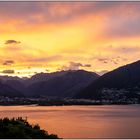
<point x="121" y="83"/>
<point x="40" y="77"/>
<point x="6" y="90"/>
<point x="5" y="78"/>
<point x="62" y="84"/>
<point x="18" y="85"/>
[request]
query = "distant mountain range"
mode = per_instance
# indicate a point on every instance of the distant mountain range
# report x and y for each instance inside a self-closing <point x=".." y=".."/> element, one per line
<point x="121" y="83"/>
<point x="62" y="84"/>
<point x="57" y="84"/>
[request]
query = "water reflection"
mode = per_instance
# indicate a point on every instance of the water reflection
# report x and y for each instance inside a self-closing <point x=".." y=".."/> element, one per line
<point x="82" y="121"/>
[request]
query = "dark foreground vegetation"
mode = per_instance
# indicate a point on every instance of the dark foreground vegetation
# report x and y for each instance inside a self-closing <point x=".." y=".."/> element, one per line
<point x="19" y="128"/>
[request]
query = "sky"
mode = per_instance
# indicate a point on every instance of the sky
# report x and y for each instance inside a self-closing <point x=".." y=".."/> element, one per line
<point x="52" y="36"/>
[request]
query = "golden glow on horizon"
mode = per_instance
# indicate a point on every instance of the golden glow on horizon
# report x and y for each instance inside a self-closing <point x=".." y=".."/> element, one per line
<point x="68" y="36"/>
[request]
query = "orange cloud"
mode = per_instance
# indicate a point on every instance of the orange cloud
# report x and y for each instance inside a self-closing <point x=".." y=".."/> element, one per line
<point x="52" y="34"/>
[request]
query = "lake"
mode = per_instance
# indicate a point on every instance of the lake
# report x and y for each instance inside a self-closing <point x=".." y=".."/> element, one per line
<point x="107" y="121"/>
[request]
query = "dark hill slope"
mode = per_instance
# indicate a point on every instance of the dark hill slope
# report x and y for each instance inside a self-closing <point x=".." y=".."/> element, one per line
<point x="65" y="85"/>
<point x="41" y="77"/>
<point x="124" y="81"/>
<point x="17" y="85"/>
<point x="6" y="90"/>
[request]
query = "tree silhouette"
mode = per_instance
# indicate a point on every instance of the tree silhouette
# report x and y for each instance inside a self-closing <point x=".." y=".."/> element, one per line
<point x="19" y="128"/>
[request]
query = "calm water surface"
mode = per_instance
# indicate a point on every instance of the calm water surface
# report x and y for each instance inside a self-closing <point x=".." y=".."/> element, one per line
<point x="117" y="121"/>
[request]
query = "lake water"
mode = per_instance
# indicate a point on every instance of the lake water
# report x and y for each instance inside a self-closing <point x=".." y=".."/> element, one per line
<point x="116" y="121"/>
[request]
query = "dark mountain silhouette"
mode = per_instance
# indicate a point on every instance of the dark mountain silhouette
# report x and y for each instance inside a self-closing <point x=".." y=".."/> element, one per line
<point x="123" y="82"/>
<point x="63" y="84"/>
<point x="5" y="78"/>
<point x="6" y="90"/>
<point x="21" y="84"/>
<point x="40" y="77"/>
<point x="17" y="85"/>
<point x="20" y="128"/>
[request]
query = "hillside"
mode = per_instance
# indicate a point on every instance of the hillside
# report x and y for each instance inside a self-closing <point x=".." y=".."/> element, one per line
<point x="19" y="128"/>
<point x="56" y="84"/>
<point x="66" y="85"/>
<point x="121" y="83"/>
<point x="6" y="90"/>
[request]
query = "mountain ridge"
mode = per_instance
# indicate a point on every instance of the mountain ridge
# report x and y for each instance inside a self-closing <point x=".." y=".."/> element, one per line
<point x="126" y="78"/>
<point x="48" y="82"/>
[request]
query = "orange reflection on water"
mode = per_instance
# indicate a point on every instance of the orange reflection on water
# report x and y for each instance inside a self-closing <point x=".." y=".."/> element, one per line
<point x="82" y="121"/>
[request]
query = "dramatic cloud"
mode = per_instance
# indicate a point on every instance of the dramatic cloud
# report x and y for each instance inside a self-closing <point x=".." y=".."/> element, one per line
<point x="128" y="49"/>
<point x="103" y="60"/>
<point x="99" y="35"/>
<point x="49" y="12"/>
<point x="87" y="65"/>
<point x="46" y="59"/>
<point x="8" y="62"/>
<point x="74" y="66"/>
<point x="12" y="42"/>
<point x="8" y="71"/>
<point x="108" y="60"/>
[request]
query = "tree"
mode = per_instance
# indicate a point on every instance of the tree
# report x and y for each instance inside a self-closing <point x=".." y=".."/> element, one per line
<point x="19" y="128"/>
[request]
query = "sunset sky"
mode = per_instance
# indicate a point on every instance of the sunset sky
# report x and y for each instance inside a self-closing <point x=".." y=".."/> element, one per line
<point x="53" y="36"/>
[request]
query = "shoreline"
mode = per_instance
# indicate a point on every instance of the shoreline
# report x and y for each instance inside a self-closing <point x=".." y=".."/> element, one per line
<point x="35" y="105"/>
